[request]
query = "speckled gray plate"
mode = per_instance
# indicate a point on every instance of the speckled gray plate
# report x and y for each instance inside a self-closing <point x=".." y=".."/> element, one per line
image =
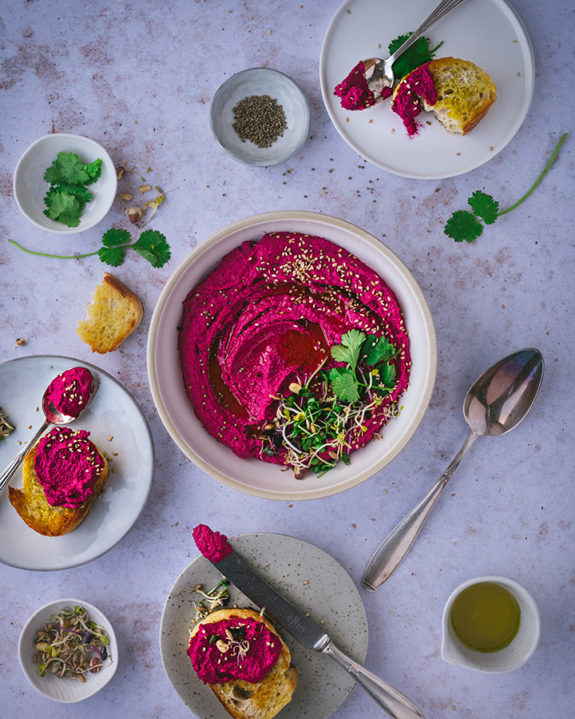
<point x="314" y="582"/>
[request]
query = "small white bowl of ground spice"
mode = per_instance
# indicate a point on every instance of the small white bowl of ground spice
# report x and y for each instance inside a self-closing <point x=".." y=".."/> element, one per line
<point x="260" y="117"/>
<point x="68" y="650"/>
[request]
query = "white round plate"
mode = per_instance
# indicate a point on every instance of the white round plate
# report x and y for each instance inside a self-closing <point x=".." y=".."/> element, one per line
<point x="112" y="412"/>
<point x="30" y="187"/>
<point x="66" y="691"/>
<point x="251" y="475"/>
<point x="487" y="32"/>
<point x="309" y="578"/>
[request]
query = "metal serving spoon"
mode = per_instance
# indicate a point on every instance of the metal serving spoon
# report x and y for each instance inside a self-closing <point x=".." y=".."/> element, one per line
<point x="379" y="73"/>
<point x="52" y="417"/>
<point x="494" y="405"/>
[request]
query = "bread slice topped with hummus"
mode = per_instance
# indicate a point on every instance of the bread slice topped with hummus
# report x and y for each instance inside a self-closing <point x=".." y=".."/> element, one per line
<point x="63" y="474"/>
<point x="457" y="91"/>
<point x="241" y="657"/>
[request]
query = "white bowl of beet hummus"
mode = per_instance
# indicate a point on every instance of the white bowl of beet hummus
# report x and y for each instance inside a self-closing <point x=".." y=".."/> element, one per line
<point x="291" y="355"/>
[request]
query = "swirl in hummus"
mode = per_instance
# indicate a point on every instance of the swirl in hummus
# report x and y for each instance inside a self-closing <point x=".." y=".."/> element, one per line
<point x="263" y="324"/>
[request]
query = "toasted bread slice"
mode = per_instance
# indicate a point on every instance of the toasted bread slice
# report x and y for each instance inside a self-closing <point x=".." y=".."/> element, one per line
<point x="264" y="699"/>
<point x="464" y="93"/>
<point x="114" y="314"/>
<point x="31" y="504"/>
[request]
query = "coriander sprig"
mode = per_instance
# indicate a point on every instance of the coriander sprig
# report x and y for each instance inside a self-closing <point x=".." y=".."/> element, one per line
<point x="151" y="245"/>
<point x="468" y="226"/>
<point x="67" y="196"/>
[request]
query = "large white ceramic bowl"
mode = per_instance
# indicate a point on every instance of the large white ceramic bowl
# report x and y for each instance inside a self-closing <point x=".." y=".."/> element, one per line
<point x="261" y="478"/>
<point x="30" y="187"/>
<point x="61" y="690"/>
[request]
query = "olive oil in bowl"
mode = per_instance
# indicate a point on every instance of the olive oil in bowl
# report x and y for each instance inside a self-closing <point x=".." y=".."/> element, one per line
<point x="485" y="617"/>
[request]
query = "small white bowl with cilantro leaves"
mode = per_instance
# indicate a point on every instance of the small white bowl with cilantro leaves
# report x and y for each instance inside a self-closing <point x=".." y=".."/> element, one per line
<point x="65" y="183"/>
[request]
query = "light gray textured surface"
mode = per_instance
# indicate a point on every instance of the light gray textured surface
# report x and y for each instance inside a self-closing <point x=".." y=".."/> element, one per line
<point x="138" y="78"/>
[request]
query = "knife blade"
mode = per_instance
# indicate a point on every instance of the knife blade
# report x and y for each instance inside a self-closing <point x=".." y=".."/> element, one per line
<point x="304" y="630"/>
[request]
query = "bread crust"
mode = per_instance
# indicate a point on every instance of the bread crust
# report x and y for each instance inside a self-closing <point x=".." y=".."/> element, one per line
<point x="267" y="697"/>
<point x="103" y="330"/>
<point x="31" y="504"/>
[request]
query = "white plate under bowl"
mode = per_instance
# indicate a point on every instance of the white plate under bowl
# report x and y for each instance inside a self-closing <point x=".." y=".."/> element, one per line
<point x="66" y="691"/>
<point x="487" y="32"/>
<point x="251" y="475"/>
<point x="260" y="81"/>
<point x="314" y="582"/>
<point x="30" y="187"/>
<point x="112" y="412"/>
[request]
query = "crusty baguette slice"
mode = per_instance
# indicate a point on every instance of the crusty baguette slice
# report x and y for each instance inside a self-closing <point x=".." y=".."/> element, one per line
<point x="31" y="504"/>
<point x="464" y="93"/>
<point x="114" y="314"/>
<point x="265" y="699"/>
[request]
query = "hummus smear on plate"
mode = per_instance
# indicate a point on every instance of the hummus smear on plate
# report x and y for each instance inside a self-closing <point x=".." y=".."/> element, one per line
<point x="294" y="352"/>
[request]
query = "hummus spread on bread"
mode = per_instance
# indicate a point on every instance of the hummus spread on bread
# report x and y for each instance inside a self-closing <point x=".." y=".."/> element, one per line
<point x="266" y="318"/>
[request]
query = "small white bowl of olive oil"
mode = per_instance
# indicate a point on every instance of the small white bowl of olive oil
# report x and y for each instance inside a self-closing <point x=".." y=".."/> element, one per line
<point x="490" y="624"/>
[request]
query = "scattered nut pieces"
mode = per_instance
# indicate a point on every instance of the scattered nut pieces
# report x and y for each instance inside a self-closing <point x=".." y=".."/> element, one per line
<point x="126" y="197"/>
<point x="144" y="188"/>
<point x="134" y="214"/>
<point x="20" y="342"/>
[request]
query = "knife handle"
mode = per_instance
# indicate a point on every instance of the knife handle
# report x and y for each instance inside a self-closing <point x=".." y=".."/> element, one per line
<point x="389" y="699"/>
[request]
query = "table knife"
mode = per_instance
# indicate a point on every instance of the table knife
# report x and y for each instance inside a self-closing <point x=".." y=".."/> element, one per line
<point x="311" y="636"/>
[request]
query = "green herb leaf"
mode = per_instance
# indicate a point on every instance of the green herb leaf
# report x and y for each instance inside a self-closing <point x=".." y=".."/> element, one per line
<point x="115" y="236"/>
<point x="348" y="350"/>
<point x="113" y="256"/>
<point x="77" y="190"/>
<point x="344" y="383"/>
<point x="67" y="168"/>
<point x="63" y="207"/>
<point x="418" y="54"/>
<point x="153" y="247"/>
<point x="484" y="206"/>
<point x="387" y="376"/>
<point x="94" y="170"/>
<point x="463" y="225"/>
<point x="377" y="349"/>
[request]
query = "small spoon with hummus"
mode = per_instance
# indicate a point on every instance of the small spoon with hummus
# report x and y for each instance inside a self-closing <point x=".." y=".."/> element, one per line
<point x="373" y="79"/>
<point x="494" y="405"/>
<point x="66" y="397"/>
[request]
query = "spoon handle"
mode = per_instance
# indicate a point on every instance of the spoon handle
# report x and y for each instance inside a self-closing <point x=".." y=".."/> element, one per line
<point x="13" y="465"/>
<point x="397" y="544"/>
<point x="440" y="11"/>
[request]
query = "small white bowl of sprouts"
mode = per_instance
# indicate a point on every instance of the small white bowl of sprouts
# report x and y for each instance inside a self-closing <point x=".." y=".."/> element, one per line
<point x="68" y="650"/>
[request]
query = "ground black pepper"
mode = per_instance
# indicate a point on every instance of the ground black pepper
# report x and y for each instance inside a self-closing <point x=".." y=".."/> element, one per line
<point x="259" y="118"/>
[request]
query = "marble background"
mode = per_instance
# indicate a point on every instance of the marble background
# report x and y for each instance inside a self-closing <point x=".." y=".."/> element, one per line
<point x="138" y="78"/>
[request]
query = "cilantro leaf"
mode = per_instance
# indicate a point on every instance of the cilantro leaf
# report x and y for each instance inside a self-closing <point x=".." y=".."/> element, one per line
<point x="387" y="376"/>
<point x="67" y="168"/>
<point x="112" y="255"/>
<point x="377" y="349"/>
<point x="463" y="225"/>
<point x="484" y="206"/>
<point x="93" y="170"/>
<point x="418" y="54"/>
<point x="63" y="207"/>
<point x="77" y="190"/>
<point x="115" y="236"/>
<point x="344" y="383"/>
<point x="153" y="247"/>
<point x="348" y="350"/>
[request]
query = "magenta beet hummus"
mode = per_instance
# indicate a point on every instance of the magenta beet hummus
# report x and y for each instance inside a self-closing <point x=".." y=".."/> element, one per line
<point x="416" y="87"/>
<point x="67" y="466"/>
<point x="213" y="545"/>
<point x="251" y="650"/>
<point x="70" y="391"/>
<point x="264" y="323"/>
